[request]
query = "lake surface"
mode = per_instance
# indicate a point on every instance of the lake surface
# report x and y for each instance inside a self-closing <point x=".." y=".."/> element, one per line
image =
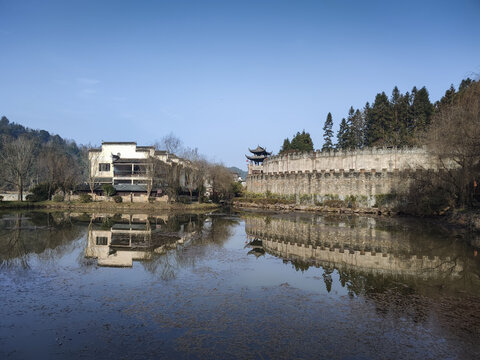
<point x="248" y="285"/>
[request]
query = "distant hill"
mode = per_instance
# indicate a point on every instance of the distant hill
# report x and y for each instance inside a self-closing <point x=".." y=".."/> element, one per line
<point x="240" y="172"/>
<point x="14" y="130"/>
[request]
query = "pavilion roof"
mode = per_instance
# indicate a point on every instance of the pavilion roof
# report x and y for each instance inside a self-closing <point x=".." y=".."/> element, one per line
<point x="259" y="150"/>
<point x="256" y="157"/>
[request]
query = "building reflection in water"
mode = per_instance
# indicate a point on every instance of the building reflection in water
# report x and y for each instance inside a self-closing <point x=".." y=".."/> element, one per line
<point x="119" y="240"/>
<point x="366" y="252"/>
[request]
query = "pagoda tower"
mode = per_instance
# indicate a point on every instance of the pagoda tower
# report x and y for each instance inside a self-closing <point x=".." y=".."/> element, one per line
<point x="259" y="155"/>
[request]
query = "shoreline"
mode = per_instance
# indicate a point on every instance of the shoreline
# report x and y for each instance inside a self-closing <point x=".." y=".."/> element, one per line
<point x="103" y="206"/>
<point x="468" y="220"/>
<point x="312" y="208"/>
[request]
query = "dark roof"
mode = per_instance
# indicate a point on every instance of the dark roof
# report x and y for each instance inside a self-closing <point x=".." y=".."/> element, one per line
<point x="130" y="187"/>
<point x="130" y="161"/>
<point x="118" y="187"/>
<point x="103" y="179"/>
<point x="145" y="147"/>
<point x="259" y="150"/>
<point x="94" y="150"/>
<point x="256" y="157"/>
<point x="161" y="152"/>
<point x="119" y="143"/>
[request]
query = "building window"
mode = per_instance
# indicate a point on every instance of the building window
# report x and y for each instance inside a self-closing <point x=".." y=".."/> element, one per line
<point x="102" y="240"/>
<point x="103" y="167"/>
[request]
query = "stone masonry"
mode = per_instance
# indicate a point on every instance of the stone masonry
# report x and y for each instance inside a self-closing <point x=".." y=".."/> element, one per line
<point x="366" y="173"/>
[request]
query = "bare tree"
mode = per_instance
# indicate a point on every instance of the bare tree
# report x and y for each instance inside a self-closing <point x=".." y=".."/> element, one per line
<point x="221" y="180"/>
<point x="154" y="169"/>
<point x="68" y="177"/>
<point x="93" y="161"/>
<point x="453" y="137"/>
<point x="171" y="143"/>
<point x="58" y="169"/>
<point x="17" y="160"/>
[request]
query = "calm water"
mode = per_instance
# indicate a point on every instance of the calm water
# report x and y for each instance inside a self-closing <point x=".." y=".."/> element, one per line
<point x="236" y="286"/>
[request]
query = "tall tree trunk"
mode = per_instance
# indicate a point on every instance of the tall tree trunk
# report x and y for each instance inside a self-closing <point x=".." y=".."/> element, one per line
<point x="20" y="188"/>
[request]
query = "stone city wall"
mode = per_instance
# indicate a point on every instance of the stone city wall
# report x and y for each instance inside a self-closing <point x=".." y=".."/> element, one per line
<point x="366" y="173"/>
<point x="364" y="159"/>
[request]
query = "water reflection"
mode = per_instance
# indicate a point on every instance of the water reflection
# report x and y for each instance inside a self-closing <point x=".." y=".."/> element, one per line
<point x="196" y="290"/>
<point x="24" y="233"/>
<point x="121" y="239"/>
<point x="369" y="255"/>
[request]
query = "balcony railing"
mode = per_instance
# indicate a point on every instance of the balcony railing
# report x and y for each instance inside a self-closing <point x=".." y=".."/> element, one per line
<point x="129" y="174"/>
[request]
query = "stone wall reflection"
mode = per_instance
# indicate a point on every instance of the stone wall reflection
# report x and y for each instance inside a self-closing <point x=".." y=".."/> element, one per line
<point x="363" y="245"/>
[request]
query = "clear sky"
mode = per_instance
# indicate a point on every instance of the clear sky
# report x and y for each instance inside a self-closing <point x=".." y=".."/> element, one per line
<point x="222" y="75"/>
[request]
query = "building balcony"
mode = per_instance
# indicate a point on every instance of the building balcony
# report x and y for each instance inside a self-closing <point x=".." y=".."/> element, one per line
<point x="130" y="174"/>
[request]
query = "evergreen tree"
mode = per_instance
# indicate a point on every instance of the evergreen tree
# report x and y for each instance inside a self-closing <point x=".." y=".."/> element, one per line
<point x="328" y="133"/>
<point x="349" y="134"/>
<point x="286" y="146"/>
<point x="422" y="110"/>
<point x="379" y="122"/>
<point x="342" y="135"/>
<point x="400" y="111"/>
<point x="302" y="142"/>
<point x="464" y="84"/>
<point x="358" y="129"/>
<point x="446" y="99"/>
<point x="366" y="114"/>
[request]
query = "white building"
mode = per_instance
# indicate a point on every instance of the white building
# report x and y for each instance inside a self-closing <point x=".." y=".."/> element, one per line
<point x="125" y="165"/>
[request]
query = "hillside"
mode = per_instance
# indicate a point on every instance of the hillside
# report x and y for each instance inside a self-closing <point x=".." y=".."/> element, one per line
<point x="14" y="130"/>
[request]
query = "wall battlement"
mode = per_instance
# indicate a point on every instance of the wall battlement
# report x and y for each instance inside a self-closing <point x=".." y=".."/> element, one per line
<point x="366" y="172"/>
<point x="362" y="159"/>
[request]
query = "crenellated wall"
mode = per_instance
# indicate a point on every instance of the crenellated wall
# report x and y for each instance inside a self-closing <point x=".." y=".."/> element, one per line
<point x="364" y="159"/>
<point x="358" y="245"/>
<point x="366" y="172"/>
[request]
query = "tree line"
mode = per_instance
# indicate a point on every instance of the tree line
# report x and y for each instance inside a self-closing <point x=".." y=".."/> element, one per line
<point x="47" y="165"/>
<point x="398" y="120"/>
<point x="450" y="128"/>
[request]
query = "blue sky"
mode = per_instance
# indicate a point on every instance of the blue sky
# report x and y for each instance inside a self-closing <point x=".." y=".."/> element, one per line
<point x="222" y="75"/>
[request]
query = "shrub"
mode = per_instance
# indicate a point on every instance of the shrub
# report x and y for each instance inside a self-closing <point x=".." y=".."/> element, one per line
<point x="1" y="197"/>
<point x="236" y="188"/>
<point x="382" y="200"/>
<point x="58" y="198"/>
<point x="109" y="190"/>
<point x="117" y="199"/>
<point x="305" y="199"/>
<point x="85" y="198"/>
<point x="41" y="192"/>
<point x="334" y="203"/>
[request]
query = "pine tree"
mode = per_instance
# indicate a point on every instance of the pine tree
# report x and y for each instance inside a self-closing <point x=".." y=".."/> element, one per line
<point x="349" y="134"/>
<point x="400" y="110"/>
<point x="379" y="125"/>
<point x="342" y="135"/>
<point x="286" y="146"/>
<point x="366" y="114"/>
<point x="465" y="84"/>
<point x="358" y="129"/>
<point x="422" y="110"/>
<point x="302" y="142"/>
<point x="328" y="133"/>
<point x="446" y="99"/>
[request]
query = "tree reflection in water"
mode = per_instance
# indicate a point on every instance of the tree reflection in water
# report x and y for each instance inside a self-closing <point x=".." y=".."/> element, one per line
<point x="211" y="231"/>
<point x="48" y="235"/>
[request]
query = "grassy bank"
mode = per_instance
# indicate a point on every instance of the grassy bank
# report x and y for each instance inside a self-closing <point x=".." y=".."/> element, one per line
<point x="104" y="205"/>
<point x="287" y="206"/>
